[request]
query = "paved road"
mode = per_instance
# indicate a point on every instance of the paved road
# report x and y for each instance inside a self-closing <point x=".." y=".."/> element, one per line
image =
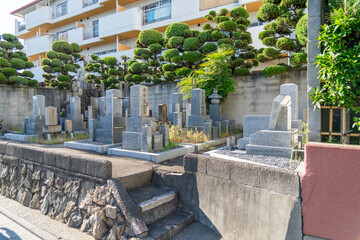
<point x="11" y="230"/>
<point x="19" y="222"/>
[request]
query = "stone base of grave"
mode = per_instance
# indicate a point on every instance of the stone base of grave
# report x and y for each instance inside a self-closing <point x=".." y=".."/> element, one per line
<point x="197" y="120"/>
<point x="157" y="141"/>
<point x="88" y="145"/>
<point x="51" y="129"/>
<point x="109" y="136"/>
<point x="269" y="151"/>
<point x="242" y="142"/>
<point x="20" y="137"/>
<point x="132" y="140"/>
<point x="273" y="143"/>
<point x="153" y="157"/>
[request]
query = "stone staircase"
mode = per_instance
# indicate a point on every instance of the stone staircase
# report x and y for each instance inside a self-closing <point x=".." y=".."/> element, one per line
<point x="164" y="219"/>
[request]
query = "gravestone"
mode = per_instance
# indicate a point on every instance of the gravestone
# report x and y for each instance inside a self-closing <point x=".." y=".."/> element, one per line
<point x="176" y="115"/>
<point x="162" y="112"/>
<point x="280" y="139"/>
<point x="198" y="109"/>
<point x="75" y="114"/>
<point x="110" y="125"/>
<point x="252" y="124"/>
<point x="141" y="129"/>
<point x="35" y="123"/>
<point x="291" y="89"/>
<point x="51" y="121"/>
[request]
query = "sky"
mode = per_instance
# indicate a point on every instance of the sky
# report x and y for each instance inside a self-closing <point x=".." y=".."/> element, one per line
<point x="6" y="19"/>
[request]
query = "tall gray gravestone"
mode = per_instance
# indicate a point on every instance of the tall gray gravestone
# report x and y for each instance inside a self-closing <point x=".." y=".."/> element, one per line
<point x="198" y="109"/>
<point x="75" y="115"/>
<point x="35" y="123"/>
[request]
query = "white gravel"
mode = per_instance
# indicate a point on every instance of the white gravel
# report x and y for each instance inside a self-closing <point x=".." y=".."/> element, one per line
<point x="279" y="162"/>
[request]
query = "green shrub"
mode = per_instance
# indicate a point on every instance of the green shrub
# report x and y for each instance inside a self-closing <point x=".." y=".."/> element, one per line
<point x="182" y="72"/>
<point x="17" y="63"/>
<point x="191" y="44"/>
<point x="301" y="30"/>
<point x="64" y="57"/>
<point x="27" y="74"/>
<point x="270" y="52"/>
<point x="63" y="78"/>
<point x="175" y="42"/>
<point x="168" y="67"/>
<point x="268" y="12"/>
<point x="238" y="62"/>
<point x="269" y="41"/>
<point x="111" y="61"/>
<point x="285" y="43"/>
<point x="76" y="48"/>
<point x="155" y="48"/>
<point x="48" y="69"/>
<point x="208" y="48"/>
<point x="206" y="26"/>
<point x="228" y="26"/>
<point x="140" y="51"/>
<point x="154" y="63"/>
<point x="176" y="59"/>
<point x="7" y="71"/>
<point x="240" y="44"/>
<point x="2" y="78"/>
<point x="128" y="77"/>
<point x="135" y="67"/>
<point x="176" y="29"/>
<point x="52" y="54"/>
<point x="192" y="56"/>
<point x="170" y="53"/>
<point x="241" y="72"/>
<point x="298" y="59"/>
<point x="170" y="76"/>
<point x="4" y="62"/>
<point x="70" y="68"/>
<point x="150" y="36"/>
<point x="274" y="70"/>
<point x="206" y="36"/>
<point x="239" y="12"/>
<point x="29" y="65"/>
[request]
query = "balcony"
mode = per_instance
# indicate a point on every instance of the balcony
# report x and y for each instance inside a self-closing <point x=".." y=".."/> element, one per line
<point x="85" y="37"/>
<point x="128" y="24"/>
<point x="38" y="45"/>
<point x="38" y="17"/>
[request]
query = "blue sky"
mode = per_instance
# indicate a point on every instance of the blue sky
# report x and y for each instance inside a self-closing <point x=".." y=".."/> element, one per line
<point x="7" y="20"/>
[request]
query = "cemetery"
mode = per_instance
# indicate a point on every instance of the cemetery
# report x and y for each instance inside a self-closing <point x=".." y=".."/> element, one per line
<point x="188" y="139"/>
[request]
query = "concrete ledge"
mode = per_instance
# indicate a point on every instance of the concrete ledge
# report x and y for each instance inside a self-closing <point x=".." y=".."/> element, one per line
<point x="19" y="137"/>
<point x="268" y="151"/>
<point x="211" y="143"/>
<point x="92" y="167"/>
<point x="245" y="172"/>
<point x="86" y="145"/>
<point x="153" y="157"/>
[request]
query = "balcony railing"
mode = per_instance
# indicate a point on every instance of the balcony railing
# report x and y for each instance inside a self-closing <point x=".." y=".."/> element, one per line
<point x="60" y="10"/>
<point x="60" y="37"/>
<point x="91" y="32"/>
<point x="255" y="24"/>
<point x="21" y="26"/>
<point x="207" y="4"/>
<point x="87" y="3"/>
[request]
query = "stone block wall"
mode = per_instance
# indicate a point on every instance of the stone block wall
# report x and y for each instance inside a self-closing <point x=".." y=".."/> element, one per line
<point x="330" y="191"/>
<point x="254" y="94"/>
<point x="239" y="200"/>
<point x="74" y="190"/>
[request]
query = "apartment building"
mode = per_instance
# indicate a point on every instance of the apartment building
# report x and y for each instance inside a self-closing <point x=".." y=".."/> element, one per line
<point x="111" y="27"/>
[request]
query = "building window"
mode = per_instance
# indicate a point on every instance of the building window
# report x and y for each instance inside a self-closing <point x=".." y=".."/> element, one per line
<point x="105" y="52"/>
<point x="255" y="24"/>
<point x="95" y="28"/>
<point x="60" y="10"/>
<point x="87" y="3"/>
<point x="157" y="12"/>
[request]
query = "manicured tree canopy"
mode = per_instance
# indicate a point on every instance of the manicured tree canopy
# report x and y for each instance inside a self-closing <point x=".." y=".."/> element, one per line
<point x="60" y="64"/>
<point x="284" y="17"/>
<point x="14" y="63"/>
<point x="108" y="71"/>
<point x="147" y="64"/>
<point x="231" y="32"/>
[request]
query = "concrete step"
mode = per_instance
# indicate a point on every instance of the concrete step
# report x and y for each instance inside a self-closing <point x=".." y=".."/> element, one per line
<point x="154" y="202"/>
<point x="197" y="231"/>
<point x="167" y="227"/>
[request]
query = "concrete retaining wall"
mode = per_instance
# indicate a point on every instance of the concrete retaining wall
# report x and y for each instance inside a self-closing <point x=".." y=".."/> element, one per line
<point x="330" y="191"/>
<point x="17" y="102"/>
<point x="239" y="200"/>
<point x="72" y="189"/>
<point x="254" y="94"/>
